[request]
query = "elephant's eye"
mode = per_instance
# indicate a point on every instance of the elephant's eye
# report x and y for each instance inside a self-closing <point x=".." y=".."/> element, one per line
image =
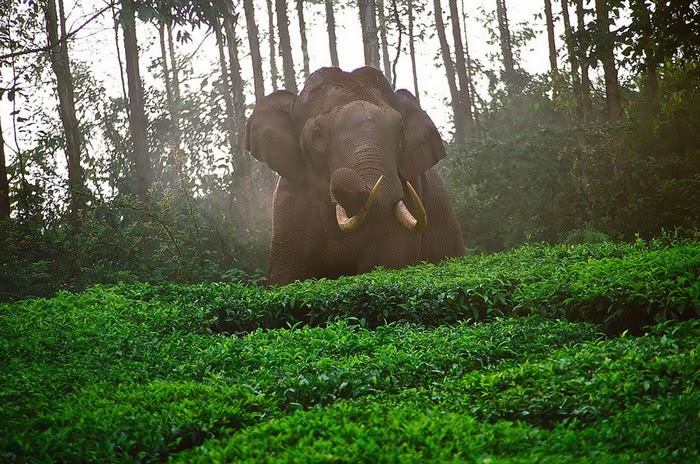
<point x="318" y="139"/>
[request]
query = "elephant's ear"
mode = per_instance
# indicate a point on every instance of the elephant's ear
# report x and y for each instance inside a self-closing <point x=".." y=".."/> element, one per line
<point x="271" y="135"/>
<point x="422" y="144"/>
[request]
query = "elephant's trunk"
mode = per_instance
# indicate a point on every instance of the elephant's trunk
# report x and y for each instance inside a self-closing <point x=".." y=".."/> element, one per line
<point x="348" y="224"/>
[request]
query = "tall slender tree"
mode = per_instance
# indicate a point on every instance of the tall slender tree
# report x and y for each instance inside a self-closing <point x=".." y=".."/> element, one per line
<point x="4" y="180"/>
<point x="506" y="44"/>
<point x="368" y="24"/>
<point x="226" y="91"/>
<point x="468" y="59"/>
<point x="60" y="63"/>
<point x="274" y="74"/>
<point x="254" y="44"/>
<point x="642" y="17"/>
<point x="459" y="117"/>
<point x="174" y="83"/>
<point x="383" y="35"/>
<point x="461" y="65"/>
<point x="290" y="82"/>
<point x="412" y="49"/>
<point x="302" y="34"/>
<point x="573" y="60"/>
<point x="242" y="179"/>
<point x="583" y="60"/>
<point x="330" y="26"/>
<point x="143" y="169"/>
<point x="606" y="55"/>
<point x="553" y="68"/>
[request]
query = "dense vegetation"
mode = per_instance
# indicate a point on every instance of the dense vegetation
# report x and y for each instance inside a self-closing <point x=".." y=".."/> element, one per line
<point x="543" y="161"/>
<point x="142" y="373"/>
<point x="619" y="286"/>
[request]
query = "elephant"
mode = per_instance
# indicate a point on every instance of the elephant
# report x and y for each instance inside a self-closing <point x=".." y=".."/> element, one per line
<point x="356" y="189"/>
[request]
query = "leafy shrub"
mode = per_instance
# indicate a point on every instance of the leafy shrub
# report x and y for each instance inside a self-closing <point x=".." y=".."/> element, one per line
<point x="622" y="286"/>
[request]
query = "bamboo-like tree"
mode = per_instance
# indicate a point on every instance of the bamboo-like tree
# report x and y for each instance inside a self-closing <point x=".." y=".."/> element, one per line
<point x="606" y="55"/>
<point x="290" y="82"/>
<point x="60" y="63"/>
<point x="368" y="24"/>
<point x="254" y="44"/>
<point x="138" y="123"/>
<point x="330" y="26"/>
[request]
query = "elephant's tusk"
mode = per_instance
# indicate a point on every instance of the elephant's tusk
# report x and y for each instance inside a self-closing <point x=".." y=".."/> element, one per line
<point x="347" y="224"/>
<point x="405" y="217"/>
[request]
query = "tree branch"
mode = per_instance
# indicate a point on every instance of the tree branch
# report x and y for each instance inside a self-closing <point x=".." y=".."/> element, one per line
<point x="63" y="39"/>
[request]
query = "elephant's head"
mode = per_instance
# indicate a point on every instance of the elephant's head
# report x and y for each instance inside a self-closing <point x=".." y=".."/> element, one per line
<point x="353" y="140"/>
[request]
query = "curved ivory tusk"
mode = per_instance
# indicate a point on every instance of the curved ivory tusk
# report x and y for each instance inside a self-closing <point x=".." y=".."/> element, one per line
<point x="405" y="217"/>
<point x="347" y="224"/>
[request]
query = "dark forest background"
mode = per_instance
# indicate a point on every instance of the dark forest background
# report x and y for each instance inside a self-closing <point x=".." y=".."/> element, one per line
<point x="145" y="193"/>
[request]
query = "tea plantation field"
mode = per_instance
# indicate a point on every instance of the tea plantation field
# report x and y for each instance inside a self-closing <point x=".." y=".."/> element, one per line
<point x="544" y="354"/>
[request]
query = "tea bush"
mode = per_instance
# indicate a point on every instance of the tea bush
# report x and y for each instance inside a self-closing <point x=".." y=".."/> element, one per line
<point x="622" y="286"/>
<point x="397" y="369"/>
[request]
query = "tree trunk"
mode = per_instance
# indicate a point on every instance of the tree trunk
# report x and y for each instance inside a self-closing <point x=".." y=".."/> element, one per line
<point x="243" y="184"/>
<point x="607" y="57"/>
<point x="174" y="85"/>
<point x="458" y="114"/>
<point x="651" y="62"/>
<point x="4" y="180"/>
<point x="60" y="63"/>
<point x="120" y="63"/>
<point x="274" y="75"/>
<point x="467" y="57"/>
<point x="332" y="41"/>
<point x="226" y="92"/>
<point x="137" y="121"/>
<point x="573" y="61"/>
<point x="168" y="93"/>
<point x="290" y="82"/>
<point x="506" y="44"/>
<point x="253" y="42"/>
<point x="302" y="34"/>
<point x="583" y="59"/>
<point x="464" y="97"/>
<point x="412" y="50"/>
<point x="385" y="44"/>
<point x="554" y="70"/>
<point x="368" y="23"/>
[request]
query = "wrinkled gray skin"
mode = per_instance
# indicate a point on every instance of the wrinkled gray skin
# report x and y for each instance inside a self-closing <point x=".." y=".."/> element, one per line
<point x="329" y="145"/>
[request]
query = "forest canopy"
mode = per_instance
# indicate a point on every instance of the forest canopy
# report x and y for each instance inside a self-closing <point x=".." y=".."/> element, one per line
<point x="148" y="179"/>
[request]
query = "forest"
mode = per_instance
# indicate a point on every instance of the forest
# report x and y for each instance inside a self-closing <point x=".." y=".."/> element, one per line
<point x="152" y="182"/>
<point x="140" y="318"/>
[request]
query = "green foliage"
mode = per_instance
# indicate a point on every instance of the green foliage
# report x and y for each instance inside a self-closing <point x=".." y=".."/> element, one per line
<point x="103" y="376"/>
<point x="622" y="286"/>
<point x="535" y="178"/>
<point x="126" y="241"/>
